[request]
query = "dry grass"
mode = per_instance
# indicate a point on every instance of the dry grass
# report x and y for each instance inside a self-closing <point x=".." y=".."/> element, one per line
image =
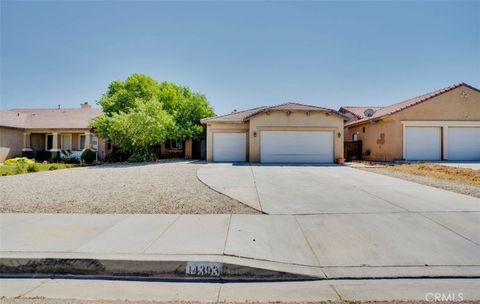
<point x="463" y="175"/>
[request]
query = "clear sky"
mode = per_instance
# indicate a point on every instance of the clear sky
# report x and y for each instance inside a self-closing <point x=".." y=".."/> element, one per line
<point x="240" y="54"/>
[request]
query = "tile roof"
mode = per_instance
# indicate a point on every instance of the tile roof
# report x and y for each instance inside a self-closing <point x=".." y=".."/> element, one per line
<point x="245" y="115"/>
<point x="397" y="107"/>
<point x="12" y="119"/>
<point x="358" y="112"/>
<point x="49" y="118"/>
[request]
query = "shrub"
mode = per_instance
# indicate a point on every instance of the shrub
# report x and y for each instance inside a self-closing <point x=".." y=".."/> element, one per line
<point x="22" y="161"/>
<point x="141" y="157"/>
<point x="88" y="156"/>
<point x="68" y="157"/>
<point x="33" y="168"/>
<point x="54" y="167"/>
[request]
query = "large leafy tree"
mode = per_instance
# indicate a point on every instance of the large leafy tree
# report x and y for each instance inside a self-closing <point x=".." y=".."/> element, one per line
<point x="140" y="112"/>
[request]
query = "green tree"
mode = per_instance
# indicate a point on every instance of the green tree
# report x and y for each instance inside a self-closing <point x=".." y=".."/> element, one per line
<point x="140" y="112"/>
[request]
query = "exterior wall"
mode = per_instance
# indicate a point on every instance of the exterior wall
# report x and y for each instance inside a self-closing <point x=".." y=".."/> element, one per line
<point x="439" y="110"/>
<point x="295" y="121"/>
<point x="11" y="143"/>
<point x="221" y="127"/>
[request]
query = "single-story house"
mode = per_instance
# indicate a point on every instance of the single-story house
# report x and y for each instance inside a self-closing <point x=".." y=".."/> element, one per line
<point x="26" y="132"/>
<point x="440" y="125"/>
<point x="285" y="133"/>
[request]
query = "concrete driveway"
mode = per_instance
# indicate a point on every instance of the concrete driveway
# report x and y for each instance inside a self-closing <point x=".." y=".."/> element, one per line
<point x="328" y="189"/>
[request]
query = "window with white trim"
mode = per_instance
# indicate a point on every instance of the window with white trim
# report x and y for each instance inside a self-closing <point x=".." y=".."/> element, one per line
<point x="81" y="141"/>
<point x="176" y="144"/>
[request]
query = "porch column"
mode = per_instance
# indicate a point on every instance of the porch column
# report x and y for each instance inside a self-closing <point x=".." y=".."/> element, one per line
<point x="55" y="145"/>
<point x="88" y="140"/>
<point x="26" y="142"/>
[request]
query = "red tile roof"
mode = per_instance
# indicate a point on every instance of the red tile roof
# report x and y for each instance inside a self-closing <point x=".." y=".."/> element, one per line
<point x="358" y="112"/>
<point x="245" y="115"/>
<point x="397" y="107"/>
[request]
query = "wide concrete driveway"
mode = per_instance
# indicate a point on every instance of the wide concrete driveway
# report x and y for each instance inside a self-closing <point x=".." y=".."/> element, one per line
<point x="328" y="189"/>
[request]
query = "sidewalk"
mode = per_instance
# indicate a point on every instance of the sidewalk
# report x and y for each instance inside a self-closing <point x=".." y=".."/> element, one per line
<point x="314" y="291"/>
<point x="395" y="245"/>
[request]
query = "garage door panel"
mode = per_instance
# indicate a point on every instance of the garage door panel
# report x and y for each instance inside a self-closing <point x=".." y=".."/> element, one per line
<point x="423" y="143"/>
<point x="229" y="147"/>
<point x="463" y="143"/>
<point x="296" y="147"/>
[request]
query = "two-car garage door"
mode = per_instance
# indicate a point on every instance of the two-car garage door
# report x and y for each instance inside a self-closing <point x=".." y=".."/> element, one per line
<point x="296" y="147"/>
<point x="425" y="143"/>
<point x="277" y="147"/>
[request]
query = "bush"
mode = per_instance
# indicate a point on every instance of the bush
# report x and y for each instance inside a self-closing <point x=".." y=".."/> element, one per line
<point x="141" y="157"/>
<point x="88" y="156"/>
<point x="42" y="156"/>
<point x="22" y="161"/>
<point x="54" y="167"/>
<point x="68" y="158"/>
<point x="33" y="168"/>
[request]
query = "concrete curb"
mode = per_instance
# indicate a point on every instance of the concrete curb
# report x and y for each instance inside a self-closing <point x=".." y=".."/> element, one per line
<point x="141" y="270"/>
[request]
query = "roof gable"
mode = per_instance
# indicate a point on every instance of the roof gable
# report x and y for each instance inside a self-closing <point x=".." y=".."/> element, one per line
<point x="245" y="115"/>
<point x="400" y="106"/>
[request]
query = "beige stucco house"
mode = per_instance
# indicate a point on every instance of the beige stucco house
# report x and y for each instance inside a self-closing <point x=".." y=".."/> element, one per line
<point x="286" y="133"/>
<point x="440" y="125"/>
<point x="28" y="131"/>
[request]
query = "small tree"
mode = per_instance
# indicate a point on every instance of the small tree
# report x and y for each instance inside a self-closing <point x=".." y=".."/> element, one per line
<point x="140" y="112"/>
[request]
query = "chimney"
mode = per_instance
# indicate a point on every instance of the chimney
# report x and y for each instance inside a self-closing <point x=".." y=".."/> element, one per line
<point x="85" y="105"/>
<point x="59" y="106"/>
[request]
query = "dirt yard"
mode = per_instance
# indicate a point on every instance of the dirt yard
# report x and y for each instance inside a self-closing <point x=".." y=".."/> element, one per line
<point x="460" y="180"/>
<point x="160" y="187"/>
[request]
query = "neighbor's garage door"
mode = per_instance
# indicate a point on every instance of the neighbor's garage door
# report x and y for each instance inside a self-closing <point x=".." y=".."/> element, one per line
<point x="463" y="144"/>
<point x="423" y="143"/>
<point x="229" y="147"/>
<point x="296" y="147"/>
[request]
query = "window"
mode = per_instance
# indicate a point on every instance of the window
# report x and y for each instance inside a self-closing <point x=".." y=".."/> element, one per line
<point x="81" y="141"/>
<point x="49" y="142"/>
<point x="109" y="145"/>
<point x="66" y="141"/>
<point x="363" y="130"/>
<point x="354" y="136"/>
<point x="176" y="144"/>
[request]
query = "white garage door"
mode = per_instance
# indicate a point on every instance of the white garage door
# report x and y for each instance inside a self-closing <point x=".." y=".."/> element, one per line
<point x="229" y="147"/>
<point x="422" y="143"/>
<point x="463" y="144"/>
<point x="296" y="147"/>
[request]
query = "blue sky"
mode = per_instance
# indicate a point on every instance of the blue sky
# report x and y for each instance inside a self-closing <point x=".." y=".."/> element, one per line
<point x="240" y="54"/>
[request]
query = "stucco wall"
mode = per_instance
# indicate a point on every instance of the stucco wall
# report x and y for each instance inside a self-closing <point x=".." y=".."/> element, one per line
<point x="446" y="107"/>
<point x="296" y="121"/>
<point x="223" y="127"/>
<point x="11" y="143"/>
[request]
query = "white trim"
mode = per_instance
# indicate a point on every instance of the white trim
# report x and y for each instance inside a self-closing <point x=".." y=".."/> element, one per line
<point x="441" y="123"/>
<point x="26" y="150"/>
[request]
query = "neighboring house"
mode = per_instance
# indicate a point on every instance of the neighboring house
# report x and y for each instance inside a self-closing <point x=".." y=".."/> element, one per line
<point x="28" y="131"/>
<point x="286" y="133"/>
<point x="440" y="125"/>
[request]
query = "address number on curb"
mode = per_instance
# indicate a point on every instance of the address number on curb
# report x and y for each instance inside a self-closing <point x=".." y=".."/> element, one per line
<point x="204" y="269"/>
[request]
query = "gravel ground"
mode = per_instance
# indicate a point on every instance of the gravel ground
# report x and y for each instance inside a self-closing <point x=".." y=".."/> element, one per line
<point x="429" y="181"/>
<point x="161" y="187"/>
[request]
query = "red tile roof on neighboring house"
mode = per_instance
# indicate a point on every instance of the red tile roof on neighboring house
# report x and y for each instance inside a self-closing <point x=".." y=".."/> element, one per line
<point x="245" y="115"/>
<point x="358" y="112"/>
<point x="397" y="107"/>
<point x="49" y="118"/>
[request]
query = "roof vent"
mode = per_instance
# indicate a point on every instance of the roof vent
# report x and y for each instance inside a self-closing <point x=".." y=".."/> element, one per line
<point x="369" y="112"/>
<point x="85" y="105"/>
<point x="234" y="111"/>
